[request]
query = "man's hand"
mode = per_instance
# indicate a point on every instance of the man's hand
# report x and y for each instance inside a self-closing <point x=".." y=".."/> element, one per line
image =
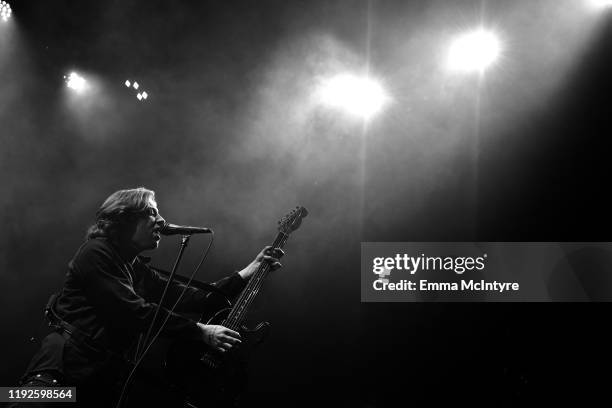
<point x="268" y="254"/>
<point x="219" y="337"/>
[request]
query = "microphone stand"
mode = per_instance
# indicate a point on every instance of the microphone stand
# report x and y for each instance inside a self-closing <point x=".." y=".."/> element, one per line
<point x="184" y="243"/>
<point x="145" y="347"/>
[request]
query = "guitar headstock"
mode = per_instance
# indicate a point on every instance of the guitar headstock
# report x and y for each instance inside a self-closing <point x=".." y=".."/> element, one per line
<point x="292" y="221"/>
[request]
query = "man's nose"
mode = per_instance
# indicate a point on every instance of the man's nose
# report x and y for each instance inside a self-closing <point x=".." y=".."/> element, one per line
<point x="159" y="220"/>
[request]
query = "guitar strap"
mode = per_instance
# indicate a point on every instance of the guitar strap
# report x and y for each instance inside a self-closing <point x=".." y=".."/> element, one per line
<point x="69" y="331"/>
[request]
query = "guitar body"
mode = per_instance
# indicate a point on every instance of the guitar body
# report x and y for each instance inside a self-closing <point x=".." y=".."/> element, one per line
<point x="207" y="377"/>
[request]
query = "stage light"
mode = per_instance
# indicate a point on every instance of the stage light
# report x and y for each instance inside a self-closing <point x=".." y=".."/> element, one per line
<point x="600" y="3"/>
<point x="5" y="10"/>
<point x="142" y="95"/>
<point x="474" y="51"/>
<point x="76" y="82"/>
<point x="356" y="95"/>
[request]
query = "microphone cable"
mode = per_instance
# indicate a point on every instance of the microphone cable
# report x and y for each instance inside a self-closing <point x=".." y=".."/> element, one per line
<point x="170" y="312"/>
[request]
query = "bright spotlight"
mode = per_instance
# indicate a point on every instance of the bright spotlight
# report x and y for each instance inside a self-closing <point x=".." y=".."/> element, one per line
<point x="144" y="95"/>
<point x="359" y="96"/>
<point x="135" y="85"/>
<point x="127" y="83"/>
<point x="76" y="82"/>
<point x="5" y="10"/>
<point x="474" y="51"/>
<point x="601" y="3"/>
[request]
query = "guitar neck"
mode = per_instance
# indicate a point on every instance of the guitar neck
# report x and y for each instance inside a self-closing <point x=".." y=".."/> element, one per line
<point x="238" y="313"/>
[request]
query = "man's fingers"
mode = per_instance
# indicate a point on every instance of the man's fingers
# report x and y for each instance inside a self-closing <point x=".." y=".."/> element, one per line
<point x="231" y="340"/>
<point x="275" y="252"/>
<point x="274" y="263"/>
<point x="231" y="333"/>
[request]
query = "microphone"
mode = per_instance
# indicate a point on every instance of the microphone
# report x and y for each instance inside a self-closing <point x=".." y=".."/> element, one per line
<point x="172" y="229"/>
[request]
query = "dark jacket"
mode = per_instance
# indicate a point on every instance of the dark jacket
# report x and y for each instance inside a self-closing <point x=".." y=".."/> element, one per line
<point x="112" y="301"/>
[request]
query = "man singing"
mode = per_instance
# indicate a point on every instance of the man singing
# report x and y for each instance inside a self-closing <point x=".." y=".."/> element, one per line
<point x="109" y="299"/>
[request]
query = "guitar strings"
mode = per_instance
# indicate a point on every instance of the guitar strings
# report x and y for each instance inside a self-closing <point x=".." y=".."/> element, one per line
<point x="259" y="282"/>
<point x="235" y="313"/>
<point x="236" y="316"/>
<point x="261" y="278"/>
<point x="255" y="285"/>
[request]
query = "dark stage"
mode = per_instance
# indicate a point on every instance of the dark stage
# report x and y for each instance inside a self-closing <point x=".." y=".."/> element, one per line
<point x="236" y="130"/>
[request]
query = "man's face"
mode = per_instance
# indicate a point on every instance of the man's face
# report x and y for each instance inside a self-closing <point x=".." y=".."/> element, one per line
<point x="146" y="234"/>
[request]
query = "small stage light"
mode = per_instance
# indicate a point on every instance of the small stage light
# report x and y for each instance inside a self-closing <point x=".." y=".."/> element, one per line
<point x="359" y="96"/>
<point x="76" y="82"/>
<point x="473" y="51"/>
<point x="5" y="10"/>
<point x="142" y="95"/>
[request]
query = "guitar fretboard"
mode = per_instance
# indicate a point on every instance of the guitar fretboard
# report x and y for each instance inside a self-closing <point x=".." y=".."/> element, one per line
<point x="238" y="313"/>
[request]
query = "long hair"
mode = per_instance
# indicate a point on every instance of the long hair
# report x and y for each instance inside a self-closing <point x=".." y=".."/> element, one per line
<point x="116" y="212"/>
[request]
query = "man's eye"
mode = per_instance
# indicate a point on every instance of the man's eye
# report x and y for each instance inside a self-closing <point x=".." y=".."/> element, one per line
<point x="152" y="212"/>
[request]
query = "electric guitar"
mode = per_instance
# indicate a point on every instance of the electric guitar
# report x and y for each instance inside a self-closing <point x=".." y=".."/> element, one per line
<point x="206" y="377"/>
